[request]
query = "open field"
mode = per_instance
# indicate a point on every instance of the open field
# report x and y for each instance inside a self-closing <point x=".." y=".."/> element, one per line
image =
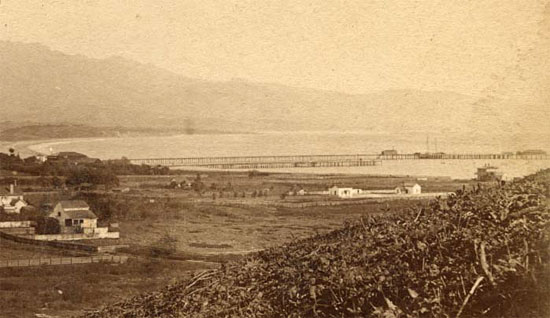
<point x="10" y="251"/>
<point x="164" y="227"/>
<point x="70" y="289"/>
<point x="200" y="224"/>
<point x="481" y="253"/>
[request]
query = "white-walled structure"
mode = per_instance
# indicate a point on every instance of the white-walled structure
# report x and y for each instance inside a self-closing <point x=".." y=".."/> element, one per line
<point x="409" y="188"/>
<point x="75" y="217"/>
<point x="348" y="192"/>
<point x="344" y="192"/>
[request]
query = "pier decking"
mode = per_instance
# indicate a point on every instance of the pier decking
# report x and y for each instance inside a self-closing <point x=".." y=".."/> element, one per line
<point x="302" y="161"/>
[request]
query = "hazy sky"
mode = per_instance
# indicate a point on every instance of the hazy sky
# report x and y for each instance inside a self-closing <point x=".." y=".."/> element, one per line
<point x="476" y="47"/>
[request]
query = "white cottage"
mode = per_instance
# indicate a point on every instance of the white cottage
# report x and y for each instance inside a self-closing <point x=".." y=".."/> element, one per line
<point x="343" y="192"/>
<point x="74" y="217"/>
<point x="409" y="188"/>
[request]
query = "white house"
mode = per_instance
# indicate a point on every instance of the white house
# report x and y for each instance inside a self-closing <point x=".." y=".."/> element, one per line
<point x="344" y="192"/>
<point x="74" y="217"/>
<point x="409" y="188"/>
<point x="12" y="201"/>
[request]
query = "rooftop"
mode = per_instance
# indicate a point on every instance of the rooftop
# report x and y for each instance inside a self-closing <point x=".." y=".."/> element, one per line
<point x="71" y="154"/>
<point x="74" y="204"/>
<point x="81" y="214"/>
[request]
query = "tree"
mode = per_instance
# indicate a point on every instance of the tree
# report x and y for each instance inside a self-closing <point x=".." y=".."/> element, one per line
<point x="47" y="225"/>
<point x="57" y="182"/>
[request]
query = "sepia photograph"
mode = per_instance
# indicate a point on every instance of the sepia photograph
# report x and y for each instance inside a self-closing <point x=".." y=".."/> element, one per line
<point x="259" y="159"/>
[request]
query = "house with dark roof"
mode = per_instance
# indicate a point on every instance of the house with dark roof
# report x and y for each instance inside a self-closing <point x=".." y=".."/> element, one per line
<point x="489" y="173"/>
<point x="74" y="217"/>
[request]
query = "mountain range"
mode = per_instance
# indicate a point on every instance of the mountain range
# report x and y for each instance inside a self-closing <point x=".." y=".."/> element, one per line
<point x="49" y="87"/>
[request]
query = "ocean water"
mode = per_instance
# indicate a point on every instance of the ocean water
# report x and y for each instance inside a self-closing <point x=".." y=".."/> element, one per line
<point x="315" y="143"/>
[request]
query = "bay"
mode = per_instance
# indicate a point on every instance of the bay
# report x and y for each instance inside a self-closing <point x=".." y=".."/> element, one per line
<point x="309" y="143"/>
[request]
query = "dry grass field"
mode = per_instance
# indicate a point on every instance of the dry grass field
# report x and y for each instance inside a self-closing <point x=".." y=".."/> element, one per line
<point x="171" y="232"/>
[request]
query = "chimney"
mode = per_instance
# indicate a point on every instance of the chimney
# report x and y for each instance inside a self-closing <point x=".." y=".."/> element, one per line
<point x="12" y="189"/>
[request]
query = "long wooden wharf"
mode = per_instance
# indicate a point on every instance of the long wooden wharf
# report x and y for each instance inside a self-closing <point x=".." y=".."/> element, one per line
<point x="463" y="156"/>
<point x="301" y="161"/>
<point x="252" y="162"/>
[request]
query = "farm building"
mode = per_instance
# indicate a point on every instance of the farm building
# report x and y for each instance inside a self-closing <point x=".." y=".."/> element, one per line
<point x="11" y="200"/>
<point x="344" y="192"/>
<point x="409" y="188"/>
<point x="74" y="217"/>
<point x="488" y="173"/>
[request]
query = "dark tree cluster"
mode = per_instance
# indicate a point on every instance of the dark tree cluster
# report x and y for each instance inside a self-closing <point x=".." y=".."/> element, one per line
<point x="53" y="172"/>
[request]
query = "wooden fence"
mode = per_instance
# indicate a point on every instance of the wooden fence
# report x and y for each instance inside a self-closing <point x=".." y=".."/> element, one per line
<point x="117" y="259"/>
<point x="57" y="244"/>
<point x="12" y="224"/>
<point x="306" y="204"/>
<point x="76" y="236"/>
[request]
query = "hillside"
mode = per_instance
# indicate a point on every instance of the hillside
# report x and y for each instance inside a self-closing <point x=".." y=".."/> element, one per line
<point x="51" y="87"/>
<point x="33" y="131"/>
<point x="482" y="252"/>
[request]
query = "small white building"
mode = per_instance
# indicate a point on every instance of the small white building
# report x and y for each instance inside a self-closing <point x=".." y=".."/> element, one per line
<point x="74" y="217"/>
<point x="409" y="188"/>
<point x="12" y="201"/>
<point x="344" y="192"/>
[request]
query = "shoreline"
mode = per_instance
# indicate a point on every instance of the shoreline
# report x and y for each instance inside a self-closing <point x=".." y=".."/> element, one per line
<point x="28" y="147"/>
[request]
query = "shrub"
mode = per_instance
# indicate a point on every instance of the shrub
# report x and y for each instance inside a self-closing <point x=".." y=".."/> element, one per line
<point x="473" y="254"/>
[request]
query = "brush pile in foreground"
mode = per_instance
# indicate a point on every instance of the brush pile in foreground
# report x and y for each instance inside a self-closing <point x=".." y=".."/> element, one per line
<point x="475" y="253"/>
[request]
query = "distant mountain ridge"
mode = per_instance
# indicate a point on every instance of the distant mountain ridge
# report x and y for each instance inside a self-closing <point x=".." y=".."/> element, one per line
<point x="41" y="85"/>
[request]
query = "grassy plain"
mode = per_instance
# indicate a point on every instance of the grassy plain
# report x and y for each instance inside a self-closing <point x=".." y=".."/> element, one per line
<point x="191" y="227"/>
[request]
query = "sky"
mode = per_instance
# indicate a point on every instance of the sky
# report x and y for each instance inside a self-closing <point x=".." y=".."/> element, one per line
<point x="491" y="49"/>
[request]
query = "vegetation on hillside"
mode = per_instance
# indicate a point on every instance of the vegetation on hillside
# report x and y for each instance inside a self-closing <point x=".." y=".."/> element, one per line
<point x="481" y="252"/>
<point x="92" y="171"/>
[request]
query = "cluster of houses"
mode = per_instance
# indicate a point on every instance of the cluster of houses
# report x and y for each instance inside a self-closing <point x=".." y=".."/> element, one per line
<point x="74" y="216"/>
<point x="11" y="200"/>
<point x="349" y="192"/>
